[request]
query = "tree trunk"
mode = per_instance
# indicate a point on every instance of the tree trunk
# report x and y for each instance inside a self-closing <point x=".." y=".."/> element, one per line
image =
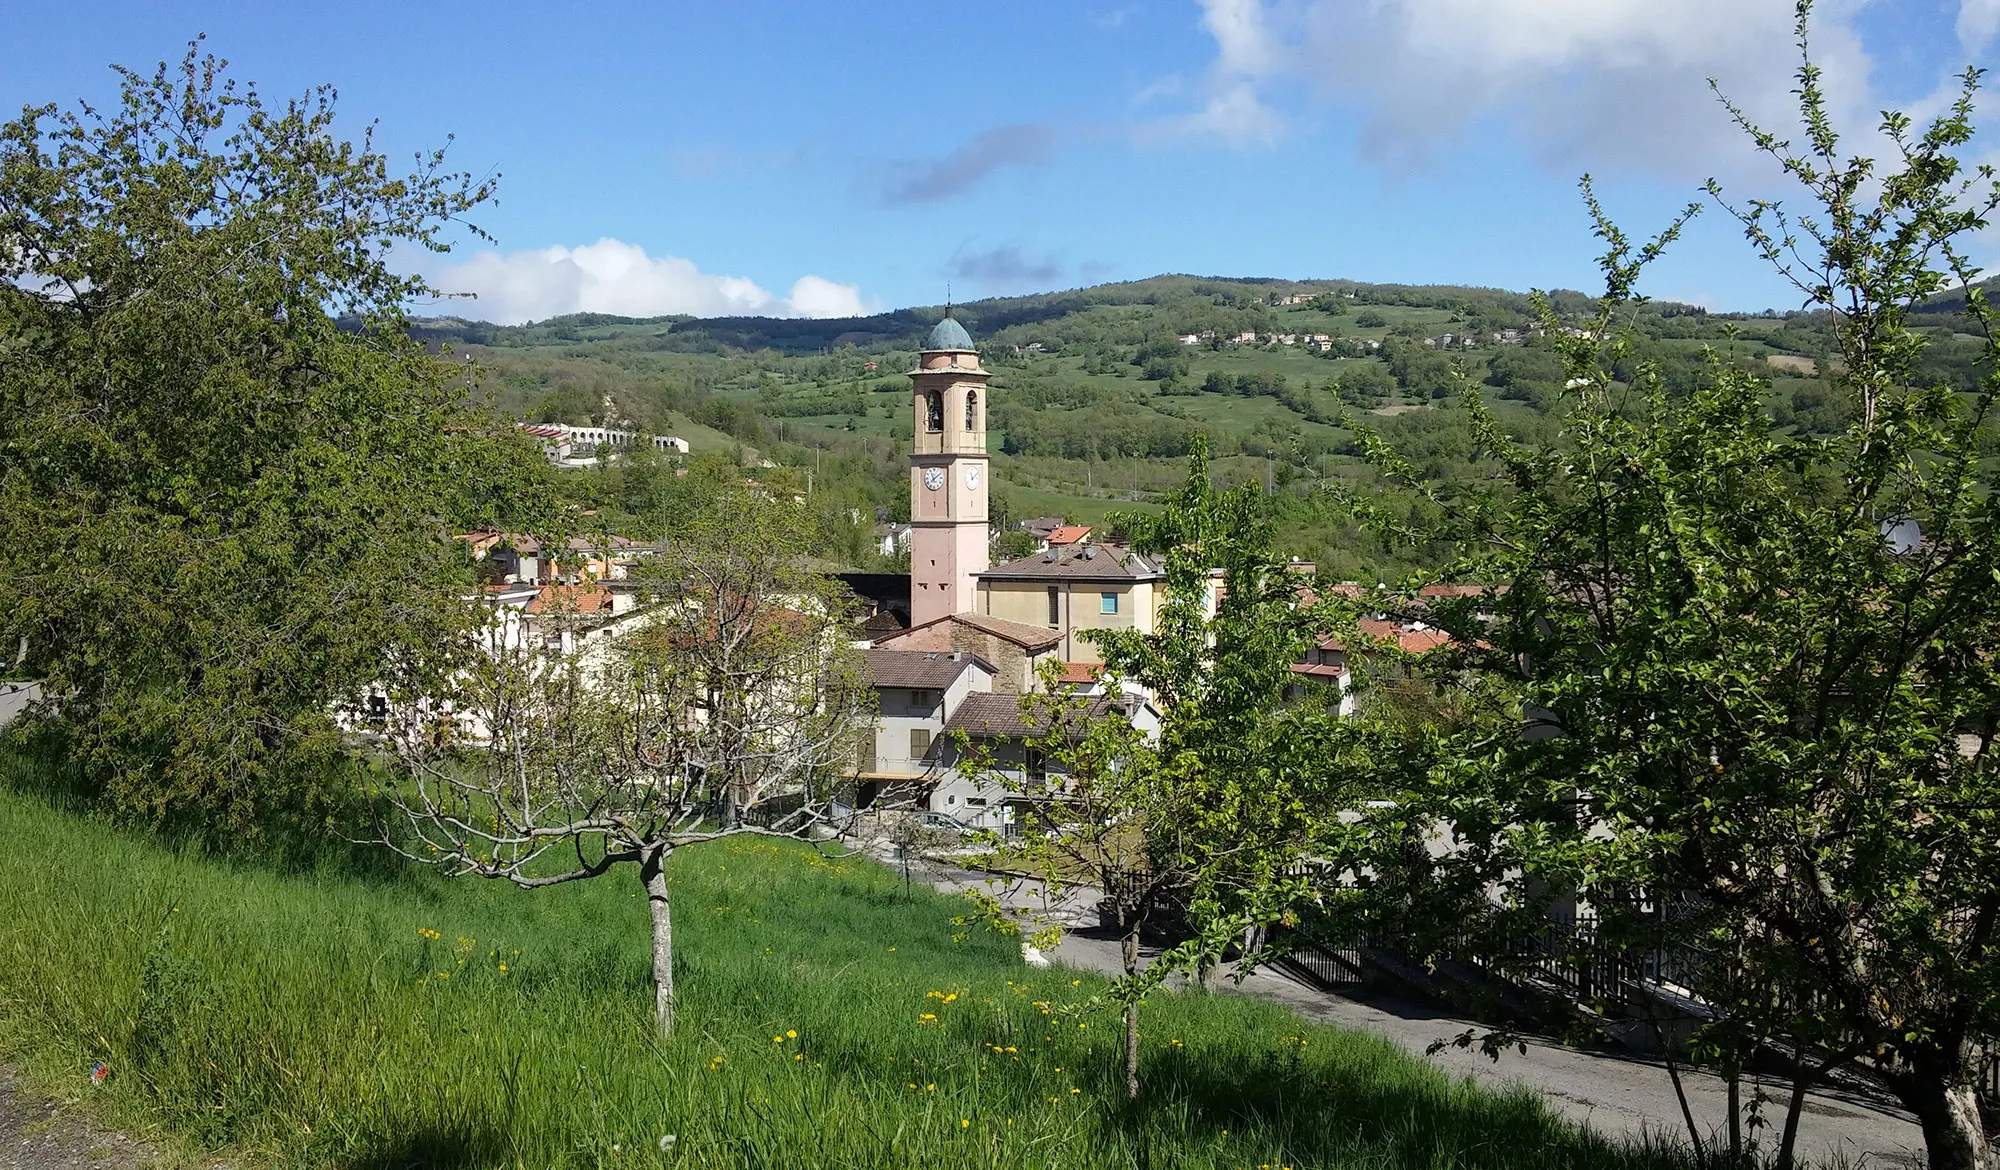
<point x="1733" y="1076"/>
<point x="1129" y="951"/>
<point x="653" y="872"/>
<point x="1132" y="1051"/>
<point x="1948" y="1109"/>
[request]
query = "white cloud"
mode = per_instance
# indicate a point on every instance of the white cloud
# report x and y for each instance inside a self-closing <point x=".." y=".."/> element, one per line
<point x="1978" y="23"/>
<point x="1588" y="81"/>
<point x="816" y="296"/>
<point x="611" y="276"/>
<point x="1232" y="113"/>
<point x="1241" y="36"/>
<point x="1599" y="82"/>
<point x="1235" y="116"/>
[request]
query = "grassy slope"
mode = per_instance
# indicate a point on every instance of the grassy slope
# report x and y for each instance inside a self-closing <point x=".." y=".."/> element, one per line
<point x="307" y="1019"/>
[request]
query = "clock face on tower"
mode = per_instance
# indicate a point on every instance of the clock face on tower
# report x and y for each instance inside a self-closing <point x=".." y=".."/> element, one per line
<point x="934" y="477"/>
<point x="972" y="477"/>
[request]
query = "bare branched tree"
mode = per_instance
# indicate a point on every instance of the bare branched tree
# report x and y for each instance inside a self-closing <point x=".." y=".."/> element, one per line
<point x="727" y="701"/>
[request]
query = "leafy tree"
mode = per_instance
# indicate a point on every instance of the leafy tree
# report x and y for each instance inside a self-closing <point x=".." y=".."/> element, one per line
<point x="1759" y="720"/>
<point x="1213" y="812"/>
<point x="228" y="477"/>
<point x="1366" y="385"/>
<point x="1531" y="375"/>
<point x="726" y="706"/>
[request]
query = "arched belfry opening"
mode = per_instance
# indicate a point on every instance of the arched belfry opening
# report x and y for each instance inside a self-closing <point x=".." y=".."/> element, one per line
<point x="934" y="412"/>
<point x="972" y="410"/>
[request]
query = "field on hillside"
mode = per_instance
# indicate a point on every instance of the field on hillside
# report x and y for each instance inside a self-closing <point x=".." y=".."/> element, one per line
<point x="375" y="1018"/>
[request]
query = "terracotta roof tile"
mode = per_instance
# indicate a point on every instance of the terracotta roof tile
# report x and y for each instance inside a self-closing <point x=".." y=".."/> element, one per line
<point x="570" y="599"/>
<point x="1319" y="669"/>
<point x="1407" y="639"/>
<point x="1029" y="638"/>
<point x="1080" y="673"/>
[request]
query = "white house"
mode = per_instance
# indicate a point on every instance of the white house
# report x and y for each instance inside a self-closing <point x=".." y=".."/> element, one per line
<point x="918" y="691"/>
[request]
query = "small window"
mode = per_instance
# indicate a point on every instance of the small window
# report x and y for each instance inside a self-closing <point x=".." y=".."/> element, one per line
<point x="972" y="410"/>
<point x="1055" y="606"/>
<point x="934" y="412"/>
<point x="920" y="742"/>
<point x="922" y="700"/>
<point x="1107" y="603"/>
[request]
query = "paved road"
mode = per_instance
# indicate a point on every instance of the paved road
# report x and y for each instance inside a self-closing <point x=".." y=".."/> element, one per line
<point x="14" y="697"/>
<point x="1618" y="1096"/>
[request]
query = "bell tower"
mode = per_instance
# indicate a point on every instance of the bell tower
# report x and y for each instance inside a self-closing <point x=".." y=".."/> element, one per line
<point x="948" y="483"/>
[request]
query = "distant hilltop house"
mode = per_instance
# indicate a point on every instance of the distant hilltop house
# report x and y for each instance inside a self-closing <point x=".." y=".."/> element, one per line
<point x="566" y="446"/>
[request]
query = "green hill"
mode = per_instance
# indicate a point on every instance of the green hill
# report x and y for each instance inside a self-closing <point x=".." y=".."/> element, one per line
<point x="1097" y="399"/>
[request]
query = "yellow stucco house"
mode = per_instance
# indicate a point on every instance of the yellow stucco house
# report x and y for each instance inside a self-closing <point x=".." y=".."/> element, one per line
<point x="1072" y="588"/>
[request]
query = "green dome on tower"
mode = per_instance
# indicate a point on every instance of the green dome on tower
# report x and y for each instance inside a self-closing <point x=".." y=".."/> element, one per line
<point x="947" y="335"/>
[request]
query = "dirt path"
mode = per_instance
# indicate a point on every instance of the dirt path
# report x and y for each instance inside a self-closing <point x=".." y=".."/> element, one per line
<point x="38" y="1134"/>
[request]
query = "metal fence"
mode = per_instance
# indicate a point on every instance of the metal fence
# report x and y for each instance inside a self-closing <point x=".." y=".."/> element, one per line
<point x="1572" y="957"/>
<point x="1328" y="964"/>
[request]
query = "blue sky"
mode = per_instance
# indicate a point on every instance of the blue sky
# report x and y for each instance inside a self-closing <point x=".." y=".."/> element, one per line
<point x="821" y="158"/>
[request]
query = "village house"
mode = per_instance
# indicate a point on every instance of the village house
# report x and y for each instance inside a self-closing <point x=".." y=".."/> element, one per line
<point x="1075" y="587"/>
<point x="917" y="693"/>
<point x="1040" y="527"/>
<point x="1011" y="772"/>
<point x="1015" y="651"/>
<point x="892" y="537"/>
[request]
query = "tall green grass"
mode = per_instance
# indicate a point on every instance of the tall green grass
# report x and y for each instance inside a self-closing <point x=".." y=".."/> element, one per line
<point x="324" y="1018"/>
